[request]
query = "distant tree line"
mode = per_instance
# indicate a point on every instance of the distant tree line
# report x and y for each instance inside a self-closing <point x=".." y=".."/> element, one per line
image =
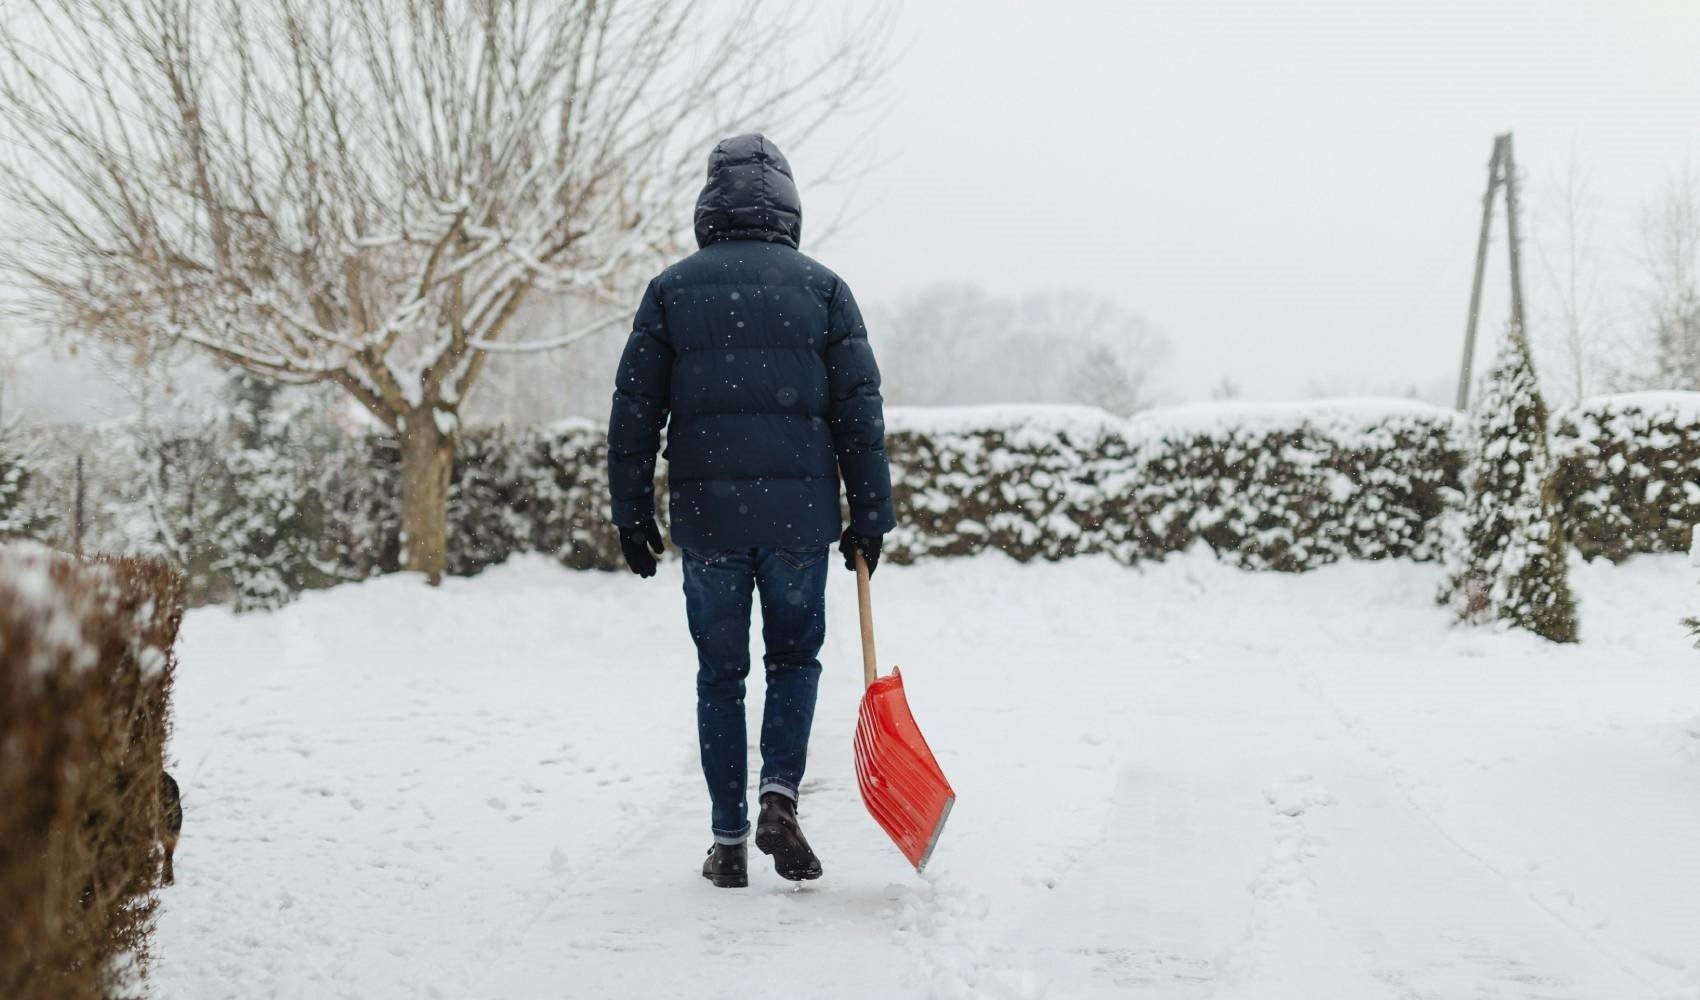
<point x="957" y="344"/>
<point x="1608" y="325"/>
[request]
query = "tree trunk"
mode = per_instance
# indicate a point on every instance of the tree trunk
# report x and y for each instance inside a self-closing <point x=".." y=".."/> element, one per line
<point x="427" y="456"/>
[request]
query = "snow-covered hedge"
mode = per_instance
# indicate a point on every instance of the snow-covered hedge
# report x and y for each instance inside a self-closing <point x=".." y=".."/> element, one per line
<point x="1284" y="487"/>
<point x="1278" y="487"/>
<point x="1629" y="472"/>
<point x="254" y="525"/>
<point x="248" y="525"/>
<point x="531" y="490"/>
<point x="20" y="463"/>
<point x="1268" y="486"/>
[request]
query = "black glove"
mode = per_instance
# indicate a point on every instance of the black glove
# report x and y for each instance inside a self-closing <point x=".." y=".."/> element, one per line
<point x="635" y="543"/>
<point x="869" y="545"/>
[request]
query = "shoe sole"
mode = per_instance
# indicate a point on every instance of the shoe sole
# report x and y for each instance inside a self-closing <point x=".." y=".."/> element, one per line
<point x="728" y="881"/>
<point x="790" y="859"/>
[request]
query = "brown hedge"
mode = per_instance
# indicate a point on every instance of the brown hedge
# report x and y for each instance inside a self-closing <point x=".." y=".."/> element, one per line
<point x="86" y="665"/>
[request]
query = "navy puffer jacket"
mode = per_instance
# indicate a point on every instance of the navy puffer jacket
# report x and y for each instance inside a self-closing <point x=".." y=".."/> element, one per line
<point x="755" y="359"/>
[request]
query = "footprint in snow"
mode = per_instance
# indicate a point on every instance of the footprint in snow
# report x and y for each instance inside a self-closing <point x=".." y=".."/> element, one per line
<point x="1297" y="793"/>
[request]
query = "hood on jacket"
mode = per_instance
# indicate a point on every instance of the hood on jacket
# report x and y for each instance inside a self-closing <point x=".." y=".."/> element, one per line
<point x="749" y="195"/>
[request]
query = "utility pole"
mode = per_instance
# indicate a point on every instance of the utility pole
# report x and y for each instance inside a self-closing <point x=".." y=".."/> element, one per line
<point x="77" y="511"/>
<point x="1501" y="152"/>
<point x="1508" y="165"/>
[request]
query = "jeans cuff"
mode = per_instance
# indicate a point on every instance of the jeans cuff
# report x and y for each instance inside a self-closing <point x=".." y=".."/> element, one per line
<point x="779" y="785"/>
<point x="732" y="838"/>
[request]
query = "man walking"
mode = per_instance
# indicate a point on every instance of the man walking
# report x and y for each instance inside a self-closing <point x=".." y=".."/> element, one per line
<point x="756" y="360"/>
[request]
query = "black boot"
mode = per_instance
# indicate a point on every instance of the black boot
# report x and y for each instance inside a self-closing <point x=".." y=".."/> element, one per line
<point x="778" y="834"/>
<point x="727" y="866"/>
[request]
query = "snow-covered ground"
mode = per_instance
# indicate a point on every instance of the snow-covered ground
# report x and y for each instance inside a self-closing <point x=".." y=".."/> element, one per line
<point x="1176" y="781"/>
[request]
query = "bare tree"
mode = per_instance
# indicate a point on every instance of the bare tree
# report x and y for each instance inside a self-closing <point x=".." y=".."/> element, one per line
<point x="957" y="344"/>
<point x="1109" y="355"/>
<point x="1570" y="264"/>
<point x="366" y="192"/>
<point x="1104" y="378"/>
<point x="1226" y="390"/>
<point x="531" y="389"/>
<point x="925" y="341"/>
<point x="1670" y="245"/>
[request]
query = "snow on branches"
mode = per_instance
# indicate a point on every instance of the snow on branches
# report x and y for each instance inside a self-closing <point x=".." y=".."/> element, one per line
<point x="1629" y="472"/>
<point x="1506" y="552"/>
<point x="1285" y="486"/>
<point x="367" y="193"/>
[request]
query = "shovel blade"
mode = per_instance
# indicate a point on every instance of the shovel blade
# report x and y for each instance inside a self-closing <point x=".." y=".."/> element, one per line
<point x="902" y="785"/>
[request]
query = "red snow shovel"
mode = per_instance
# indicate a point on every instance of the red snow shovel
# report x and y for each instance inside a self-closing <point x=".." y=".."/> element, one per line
<point x="902" y="785"/>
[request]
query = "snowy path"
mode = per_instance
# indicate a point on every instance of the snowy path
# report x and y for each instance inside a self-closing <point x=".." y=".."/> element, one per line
<point x="1182" y="781"/>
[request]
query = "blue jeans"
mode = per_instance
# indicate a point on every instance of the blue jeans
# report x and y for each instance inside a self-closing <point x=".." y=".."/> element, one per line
<point x="792" y="585"/>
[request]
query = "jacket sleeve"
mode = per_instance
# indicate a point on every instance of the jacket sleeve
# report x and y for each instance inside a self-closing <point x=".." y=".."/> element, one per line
<point x="642" y="397"/>
<point x="856" y="415"/>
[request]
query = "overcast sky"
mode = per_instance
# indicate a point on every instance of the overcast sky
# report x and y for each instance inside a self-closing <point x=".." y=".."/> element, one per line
<point x="1290" y="190"/>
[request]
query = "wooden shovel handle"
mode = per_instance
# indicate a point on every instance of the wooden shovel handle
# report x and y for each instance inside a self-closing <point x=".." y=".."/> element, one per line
<point x="865" y="606"/>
